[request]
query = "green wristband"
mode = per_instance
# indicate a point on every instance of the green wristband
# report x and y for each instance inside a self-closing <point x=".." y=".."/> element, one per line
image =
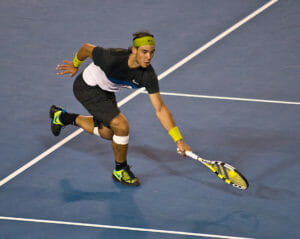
<point x="175" y="134"/>
<point x="76" y="61"/>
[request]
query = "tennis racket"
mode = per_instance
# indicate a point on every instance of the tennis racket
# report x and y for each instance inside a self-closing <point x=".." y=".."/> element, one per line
<point x="224" y="171"/>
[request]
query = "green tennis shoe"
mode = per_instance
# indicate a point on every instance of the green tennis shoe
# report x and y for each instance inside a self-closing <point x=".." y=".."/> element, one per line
<point x="56" y="124"/>
<point x="126" y="177"/>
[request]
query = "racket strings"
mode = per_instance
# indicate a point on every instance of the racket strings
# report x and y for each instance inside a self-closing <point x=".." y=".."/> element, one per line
<point x="229" y="175"/>
<point x="236" y="178"/>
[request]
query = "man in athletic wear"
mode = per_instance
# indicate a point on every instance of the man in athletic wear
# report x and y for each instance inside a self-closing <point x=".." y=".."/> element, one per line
<point x="111" y="70"/>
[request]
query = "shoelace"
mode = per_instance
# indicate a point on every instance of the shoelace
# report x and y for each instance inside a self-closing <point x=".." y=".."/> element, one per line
<point x="128" y="171"/>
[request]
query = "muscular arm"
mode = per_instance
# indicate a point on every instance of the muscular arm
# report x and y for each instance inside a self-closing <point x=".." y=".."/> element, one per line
<point x="162" y="112"/>
<point x="165" y="117"/>
<point x="68" y="68"/>
<point x="85" y="51"/>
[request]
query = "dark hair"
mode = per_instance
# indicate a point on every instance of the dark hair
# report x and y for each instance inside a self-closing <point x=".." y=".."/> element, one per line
<point x="138" y="35"/>
<point x="141" y="34"/>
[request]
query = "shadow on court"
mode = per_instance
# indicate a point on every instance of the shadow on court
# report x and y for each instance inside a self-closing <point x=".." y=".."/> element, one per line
<point x="118" y="203"/>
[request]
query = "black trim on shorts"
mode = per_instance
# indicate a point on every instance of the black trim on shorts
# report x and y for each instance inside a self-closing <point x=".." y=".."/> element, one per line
<point x="99" y="103"/>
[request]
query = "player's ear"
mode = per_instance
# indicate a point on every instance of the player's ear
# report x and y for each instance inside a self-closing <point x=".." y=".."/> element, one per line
<point x="134" y="50"/>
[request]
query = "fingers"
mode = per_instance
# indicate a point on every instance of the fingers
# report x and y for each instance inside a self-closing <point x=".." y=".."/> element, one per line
<point x="71" y="73"/>
<point x="181" y="151"/>
<point x="182" y="147"/>
<point x="62" y="67"/>
<point x="67" y="68"/>
<point x="67" y="65"/>
<point x="62" y="73"/>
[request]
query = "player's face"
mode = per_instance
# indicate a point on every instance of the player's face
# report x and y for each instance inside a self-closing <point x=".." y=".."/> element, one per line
<point x="144" y="55"/>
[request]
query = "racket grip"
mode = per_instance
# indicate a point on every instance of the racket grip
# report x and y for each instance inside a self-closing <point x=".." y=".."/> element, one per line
<point x="189" y="154"/>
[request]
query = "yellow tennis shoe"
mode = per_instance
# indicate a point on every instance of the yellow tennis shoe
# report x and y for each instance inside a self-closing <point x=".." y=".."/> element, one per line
<point x="126" y="177"/>
<point x="56" y="124"/>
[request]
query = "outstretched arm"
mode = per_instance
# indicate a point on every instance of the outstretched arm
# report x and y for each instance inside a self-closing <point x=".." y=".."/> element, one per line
<point x="71" y="67"/>
<point x="166" y="119"/>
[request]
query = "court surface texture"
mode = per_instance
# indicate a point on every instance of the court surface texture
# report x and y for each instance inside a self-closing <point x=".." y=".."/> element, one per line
<point x="229" y="72"/>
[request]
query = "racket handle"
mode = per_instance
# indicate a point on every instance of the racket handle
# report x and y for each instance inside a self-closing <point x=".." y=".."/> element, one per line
<point x="189" y="154"/>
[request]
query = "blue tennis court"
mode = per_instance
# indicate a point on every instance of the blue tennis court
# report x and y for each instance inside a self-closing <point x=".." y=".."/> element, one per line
<point x="236" y="100"/>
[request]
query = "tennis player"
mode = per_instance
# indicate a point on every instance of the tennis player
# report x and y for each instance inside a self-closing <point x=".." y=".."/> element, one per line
<point x="95" y="87"/>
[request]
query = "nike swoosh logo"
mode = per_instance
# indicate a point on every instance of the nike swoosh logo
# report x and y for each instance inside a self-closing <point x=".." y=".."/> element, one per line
<point x="135" y="82"/>
<point x="55" y="120"/>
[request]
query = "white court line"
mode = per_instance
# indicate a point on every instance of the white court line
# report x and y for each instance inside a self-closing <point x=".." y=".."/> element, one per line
<point x="134" y="94"/>
<point x="78" y="224"/>
<point x="230" y="98"/>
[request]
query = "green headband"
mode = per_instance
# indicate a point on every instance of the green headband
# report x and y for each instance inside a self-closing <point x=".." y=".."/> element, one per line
<point x="144" y="41"/>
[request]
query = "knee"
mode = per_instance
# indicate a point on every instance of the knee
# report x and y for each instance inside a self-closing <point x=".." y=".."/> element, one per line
<point x="120" y="125"/>
<point x="106" y="133"/>
<point x="122" y="129"/>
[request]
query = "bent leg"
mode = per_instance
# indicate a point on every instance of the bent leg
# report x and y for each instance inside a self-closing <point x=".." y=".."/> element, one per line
<point x="87" y="123"/>
<point x="122" y="172"/>
<point x="120" y="128"/>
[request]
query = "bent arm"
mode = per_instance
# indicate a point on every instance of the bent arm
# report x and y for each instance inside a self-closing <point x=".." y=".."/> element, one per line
<point x="69" y="67"/>
<point x="85" y="51"/>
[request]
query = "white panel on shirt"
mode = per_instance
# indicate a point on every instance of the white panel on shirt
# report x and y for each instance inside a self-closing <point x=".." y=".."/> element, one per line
<point x="93" y="75"/>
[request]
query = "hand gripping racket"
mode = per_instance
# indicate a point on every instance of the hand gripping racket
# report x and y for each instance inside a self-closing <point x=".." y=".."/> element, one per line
<point x="224" y="171"/>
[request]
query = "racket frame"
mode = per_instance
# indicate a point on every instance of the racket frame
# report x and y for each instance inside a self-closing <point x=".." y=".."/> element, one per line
<point x="208" y="164"/>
